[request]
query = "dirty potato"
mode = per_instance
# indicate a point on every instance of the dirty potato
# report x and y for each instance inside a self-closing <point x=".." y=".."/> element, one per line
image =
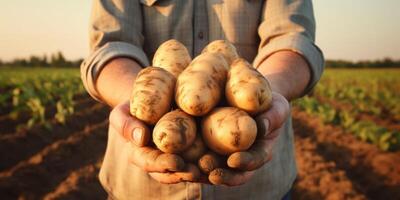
<point x="175" y="132"/>
<point x="247" y="89"/>
<point x="152" y="94"/>
<point x="227" y="130"/>
<point x="224" y="47"/>
<point x="172" y="56"/>
<point x="200" y="86"/>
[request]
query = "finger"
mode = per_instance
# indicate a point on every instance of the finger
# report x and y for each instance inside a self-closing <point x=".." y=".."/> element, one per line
<point x="154" y="160"/>
<point x="130" y="128"/>
<point x="251" y="159"/>
<point x="210" y="161"/>
<point x="190" y="174"/>
<point x="228" y="177"/>
<point x="274" y="117"/>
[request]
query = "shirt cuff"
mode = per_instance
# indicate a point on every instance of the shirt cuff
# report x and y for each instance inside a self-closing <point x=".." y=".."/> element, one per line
<point x="301" y="45"/>
<point x="92" y="66"/>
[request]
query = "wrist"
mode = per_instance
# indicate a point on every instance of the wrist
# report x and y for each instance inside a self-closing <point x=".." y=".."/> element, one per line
<point x="287" y="72"/>
<point x="279" y="85"/>
<point x="115" y="81"/>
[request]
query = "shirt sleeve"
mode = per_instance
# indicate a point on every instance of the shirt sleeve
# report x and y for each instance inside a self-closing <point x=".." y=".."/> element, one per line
<point x="290" y="25"/>
<point x="115" y="31"/>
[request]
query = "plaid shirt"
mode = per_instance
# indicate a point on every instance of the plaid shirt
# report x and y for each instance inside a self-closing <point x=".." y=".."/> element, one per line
<point x="135" y="28"/>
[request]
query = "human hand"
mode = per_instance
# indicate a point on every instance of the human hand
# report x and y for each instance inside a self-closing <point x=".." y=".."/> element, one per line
<point x="163" y="167"/>
<point x="244" y="163"/>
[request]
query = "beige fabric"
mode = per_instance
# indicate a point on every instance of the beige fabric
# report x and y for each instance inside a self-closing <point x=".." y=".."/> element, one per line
<point x="135" y="28"/>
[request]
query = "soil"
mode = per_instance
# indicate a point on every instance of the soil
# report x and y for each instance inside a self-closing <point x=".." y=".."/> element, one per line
<point x="64" y="163"/>
<point x="59" y="164"/>
<point x="334" y="164"/>
<point x="9" y="126"/>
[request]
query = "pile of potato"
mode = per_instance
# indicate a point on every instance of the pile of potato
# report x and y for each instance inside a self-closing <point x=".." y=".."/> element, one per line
<point x="204" y="126"/>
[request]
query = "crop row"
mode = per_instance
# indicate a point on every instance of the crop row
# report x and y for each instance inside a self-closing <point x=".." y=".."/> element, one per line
<point x="368" y="131"/>
<point x="31" y="92"/>
<point x="376" y="99"/>
<point x="373" y="91"/>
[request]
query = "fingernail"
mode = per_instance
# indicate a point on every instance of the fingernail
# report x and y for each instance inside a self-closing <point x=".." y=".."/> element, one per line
<point x="138" y="135"/>
<point x="266" y="124"/>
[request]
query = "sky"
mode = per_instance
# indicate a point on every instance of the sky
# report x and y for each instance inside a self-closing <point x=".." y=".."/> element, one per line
<point x="346" y="29"/>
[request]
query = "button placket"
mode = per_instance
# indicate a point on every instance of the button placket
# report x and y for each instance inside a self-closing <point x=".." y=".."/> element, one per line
<point x="200" y="35"/>
<point x="200" y="26"/>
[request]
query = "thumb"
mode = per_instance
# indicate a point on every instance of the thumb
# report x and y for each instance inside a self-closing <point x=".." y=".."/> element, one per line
<point x="274" y="117"/>
<point x="128" y="126"/>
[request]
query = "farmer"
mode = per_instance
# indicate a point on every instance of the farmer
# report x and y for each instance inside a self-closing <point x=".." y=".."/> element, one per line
<point x="277" y="36"/>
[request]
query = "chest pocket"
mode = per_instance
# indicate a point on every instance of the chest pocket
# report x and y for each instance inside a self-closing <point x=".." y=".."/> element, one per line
<point x="166" y="19"/>
<point x="236" y="21"/>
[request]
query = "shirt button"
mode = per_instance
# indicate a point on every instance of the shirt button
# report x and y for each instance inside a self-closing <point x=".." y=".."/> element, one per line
<point x="200" y="35"/>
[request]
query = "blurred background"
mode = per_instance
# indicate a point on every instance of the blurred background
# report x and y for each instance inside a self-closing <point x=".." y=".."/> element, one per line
<point x="53" y="135"/>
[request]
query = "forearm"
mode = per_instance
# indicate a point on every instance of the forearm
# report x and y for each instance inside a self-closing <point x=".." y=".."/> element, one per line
<point x="287" y="72"/>
<point x="115" y="81"/>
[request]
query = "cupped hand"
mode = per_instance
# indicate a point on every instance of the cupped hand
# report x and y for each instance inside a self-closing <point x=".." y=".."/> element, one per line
<point x="244" y="163"/>
<point x="163" y="167"/>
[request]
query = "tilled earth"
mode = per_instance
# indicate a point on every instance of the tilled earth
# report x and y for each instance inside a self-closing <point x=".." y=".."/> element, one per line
<point x="64" y="163"/>
<point x="335" y="165"/>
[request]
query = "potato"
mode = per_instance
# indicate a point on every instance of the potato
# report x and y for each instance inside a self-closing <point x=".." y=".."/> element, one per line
<point x="172" y="56"/>
<point x="195" y="151"/>
<point x="210" y="161"/>
<point x="247" y="89"/>
<point x="227" y="130"/>
<point x="224" y="47"/>
<point x="152" y="94"/>
<point x="175" y="132"/>
<point x="200" y="86"/>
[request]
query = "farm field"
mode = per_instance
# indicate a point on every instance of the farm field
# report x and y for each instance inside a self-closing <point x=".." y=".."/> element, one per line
<point x="53" y="136"/>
